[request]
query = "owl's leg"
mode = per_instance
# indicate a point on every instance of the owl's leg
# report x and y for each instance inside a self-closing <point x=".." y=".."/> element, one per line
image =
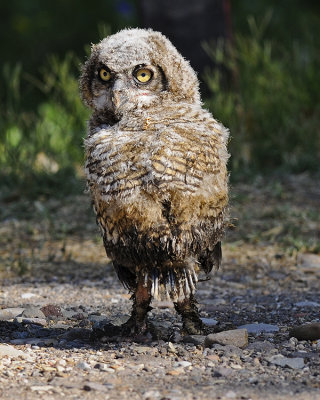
<point x="137" y="323"/>
<point x="188" y="310"/>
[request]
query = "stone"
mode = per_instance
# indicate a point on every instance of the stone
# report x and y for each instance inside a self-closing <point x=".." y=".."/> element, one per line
<point x="42" y="388"/>
<point x="198" y="340"/>
<point x="308" y="261"/>
<point x="30" y="321"/>
<point x="258" y="328"/>
<point x="51" y="311"/>
<point x="183" y="364"/>
<point x="10" y="351"/>
<point x="10" y="313"/>
<point x="88" y="386"/>
<point x="307" y="304"/>
<point x="306" y="332"/>
<point x="83" y="365"/>
<point x="235" y="337"/>
<point x="280" y="360"/>
<point x="28" y="295"/>
<point x="209" y="321"/>
<point x="261" y="346"/>
<point x="32" y="312"/>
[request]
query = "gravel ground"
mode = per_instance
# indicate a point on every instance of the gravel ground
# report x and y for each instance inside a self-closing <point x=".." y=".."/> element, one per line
<point x="57" y="285"/>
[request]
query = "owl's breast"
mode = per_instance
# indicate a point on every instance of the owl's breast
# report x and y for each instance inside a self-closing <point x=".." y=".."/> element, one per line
<point x="121" y="163"/>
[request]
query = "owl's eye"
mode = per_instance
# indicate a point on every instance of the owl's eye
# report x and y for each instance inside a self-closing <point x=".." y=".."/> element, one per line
<point x="143" y="75"/>
<point x="104" y="75"/>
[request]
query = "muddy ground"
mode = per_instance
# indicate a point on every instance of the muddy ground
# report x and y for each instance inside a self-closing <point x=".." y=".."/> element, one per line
<point x="57" y="284"/>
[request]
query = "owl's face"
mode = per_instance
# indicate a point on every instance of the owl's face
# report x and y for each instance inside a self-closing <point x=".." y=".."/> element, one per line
<point x="135" y="69"/>
<point x="118" y="90"/>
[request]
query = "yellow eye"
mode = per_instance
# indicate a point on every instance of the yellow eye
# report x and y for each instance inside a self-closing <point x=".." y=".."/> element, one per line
<point x="104" y="74"/>
<point x="143" y="75"/>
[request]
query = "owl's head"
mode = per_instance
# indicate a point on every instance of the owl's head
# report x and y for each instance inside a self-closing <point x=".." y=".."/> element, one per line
<point x="136" y="68"/>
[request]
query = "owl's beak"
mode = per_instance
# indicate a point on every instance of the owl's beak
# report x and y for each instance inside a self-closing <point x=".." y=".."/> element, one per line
<point x="119" y="96"/>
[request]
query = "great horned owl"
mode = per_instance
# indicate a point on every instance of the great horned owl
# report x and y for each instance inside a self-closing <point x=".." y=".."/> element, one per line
<point x="156" y="168"/>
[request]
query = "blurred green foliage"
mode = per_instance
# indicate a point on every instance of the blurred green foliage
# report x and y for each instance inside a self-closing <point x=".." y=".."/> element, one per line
<point x="270" y="99"/>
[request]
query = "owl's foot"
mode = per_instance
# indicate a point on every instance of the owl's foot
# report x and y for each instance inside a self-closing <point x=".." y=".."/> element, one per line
<point x="192" y="324"/>
<point x="136" y="326"/>
<point x="132" y="329"/>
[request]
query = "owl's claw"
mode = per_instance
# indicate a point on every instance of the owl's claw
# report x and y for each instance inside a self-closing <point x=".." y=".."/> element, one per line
<point x="132" y="329"/>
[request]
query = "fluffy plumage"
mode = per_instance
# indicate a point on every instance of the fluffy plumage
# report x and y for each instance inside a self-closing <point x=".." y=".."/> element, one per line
<point x="156" y="169"/>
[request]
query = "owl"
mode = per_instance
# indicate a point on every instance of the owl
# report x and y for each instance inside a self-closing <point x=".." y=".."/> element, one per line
<point x="156" y="167"/>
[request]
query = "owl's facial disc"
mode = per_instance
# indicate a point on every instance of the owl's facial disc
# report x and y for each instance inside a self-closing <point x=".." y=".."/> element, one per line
<point x="119" y="91"/>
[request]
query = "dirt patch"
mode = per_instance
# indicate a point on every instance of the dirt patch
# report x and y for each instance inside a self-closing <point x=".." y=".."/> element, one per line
<point x="52" y="259"/>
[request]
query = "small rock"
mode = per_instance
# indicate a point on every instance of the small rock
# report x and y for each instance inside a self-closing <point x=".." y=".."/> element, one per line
<point x="171" y="348"/>
<point x="183" y="364"/>
<point x="32" y="312"/>
<point x="279" y="359"/>
<point x="10" y="351"/>
<point x="103" y="367"/>
<point x="258" y="328"/>
<point x="142" y="349"/>
<point x="230" y="394"/>
<point x="88" y="386"/>
<point x="83" y="365"/>
<point x="306" y="332"/>
<point x="35" y="341"/>
<point x="29" y="321"/>
<point x="222" y="372"/>
<point x="41" y="388"/>
<point x="214" y="302"/>
<point x="308" y="261"/>
<point x="261" y="346"/>
<point x="51" y="310"/>
<point x="209" y="321"/>
<point x="28" y="295"/>
<point x="10" y="313"/>
<point x="307" y="304"/>
<point x="235" y="337"/>
<point x="198" y="340"/>
<point x="175" y="372"/>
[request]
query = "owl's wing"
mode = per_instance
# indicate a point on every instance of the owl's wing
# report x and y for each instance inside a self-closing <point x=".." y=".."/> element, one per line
<point x="192" y="168"/>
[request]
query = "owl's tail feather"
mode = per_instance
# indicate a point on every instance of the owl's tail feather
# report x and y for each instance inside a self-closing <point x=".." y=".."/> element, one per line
<point x="174" y="284"/>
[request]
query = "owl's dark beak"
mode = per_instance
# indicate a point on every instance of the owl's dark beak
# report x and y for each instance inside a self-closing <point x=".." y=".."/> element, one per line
<point x="119" y="95"/>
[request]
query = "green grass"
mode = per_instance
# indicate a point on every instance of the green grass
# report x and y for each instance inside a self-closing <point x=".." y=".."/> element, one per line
<point x="269" y="98"/>
<point x="41" y="149"/>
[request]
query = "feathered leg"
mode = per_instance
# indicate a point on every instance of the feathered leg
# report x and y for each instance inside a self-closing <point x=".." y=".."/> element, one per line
<point x="136" y="324"/>
<point x="188" y="310"/>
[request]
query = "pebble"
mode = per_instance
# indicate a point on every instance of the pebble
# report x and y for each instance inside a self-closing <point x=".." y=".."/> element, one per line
<point x="308" y="261"/>
<point x="10" y="313"/>
<point x="198" y="340"/>
<point x="42" y="388"/>
<point x="235" y="337"/>
<point x="209" y="321"/>
<point x="261" y="346"/>
<point x="35" y="341"/>
<point x="88" y="386"/>
<point x="28" y="295"/>
<point x="35" y="321"/>
<point x="51" y="310"/>
<point x="307" y="304"/>
<point x="306" y="332"/>
<point x="10" y="351"/>
<point x="258" y="328"/>
<point x="279" y="359"/>
<point x="32" y="312"/>
<point x="183" y="364"/>
<point x="83" y="365"/>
